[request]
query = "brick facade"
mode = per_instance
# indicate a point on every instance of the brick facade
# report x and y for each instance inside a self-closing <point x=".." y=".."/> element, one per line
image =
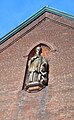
<point x="55" y="101"/>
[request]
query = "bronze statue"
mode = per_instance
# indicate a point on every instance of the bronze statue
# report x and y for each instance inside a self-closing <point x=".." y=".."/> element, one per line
<point x="37" y="67"/>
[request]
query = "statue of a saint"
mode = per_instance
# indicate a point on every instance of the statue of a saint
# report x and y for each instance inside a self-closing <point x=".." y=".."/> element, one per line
<point x="37" y="67"/>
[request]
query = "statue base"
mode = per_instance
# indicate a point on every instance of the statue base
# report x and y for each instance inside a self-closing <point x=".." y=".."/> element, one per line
<point x="33" y="87"/>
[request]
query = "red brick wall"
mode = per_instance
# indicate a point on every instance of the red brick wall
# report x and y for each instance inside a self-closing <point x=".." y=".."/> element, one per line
<point x="55" y="102"/>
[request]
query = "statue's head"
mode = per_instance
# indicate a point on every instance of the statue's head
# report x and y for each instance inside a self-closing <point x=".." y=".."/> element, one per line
<point x="38" y="50"/>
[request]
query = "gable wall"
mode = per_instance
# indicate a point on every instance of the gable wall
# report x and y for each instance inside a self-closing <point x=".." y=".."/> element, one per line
<point x="55" y="102"/>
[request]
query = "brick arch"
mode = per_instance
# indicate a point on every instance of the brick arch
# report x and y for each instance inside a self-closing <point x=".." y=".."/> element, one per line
<point x="45" y="50"/>
<point x="50" y="46"/>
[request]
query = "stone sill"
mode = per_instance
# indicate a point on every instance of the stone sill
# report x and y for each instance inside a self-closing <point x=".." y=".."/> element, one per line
<point x="33" y="87"/>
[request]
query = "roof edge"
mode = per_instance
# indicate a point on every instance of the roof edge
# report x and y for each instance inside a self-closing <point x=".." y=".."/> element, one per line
<point x="34" y="17"/>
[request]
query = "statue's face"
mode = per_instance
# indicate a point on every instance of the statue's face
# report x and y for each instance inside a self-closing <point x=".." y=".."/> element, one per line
<point x="38" y="50"/>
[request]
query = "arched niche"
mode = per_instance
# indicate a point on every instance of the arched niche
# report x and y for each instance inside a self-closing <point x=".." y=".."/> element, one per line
<point x="45" y="50"/>
<point x="45" y="54"/>
<point x="50" y="46"/>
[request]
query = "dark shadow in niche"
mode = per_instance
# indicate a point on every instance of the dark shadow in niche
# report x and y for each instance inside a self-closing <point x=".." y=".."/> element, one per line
<point x="36" y="85"/>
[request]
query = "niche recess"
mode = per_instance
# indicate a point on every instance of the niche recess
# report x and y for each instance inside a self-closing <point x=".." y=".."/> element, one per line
<point x="34" y="87"/>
